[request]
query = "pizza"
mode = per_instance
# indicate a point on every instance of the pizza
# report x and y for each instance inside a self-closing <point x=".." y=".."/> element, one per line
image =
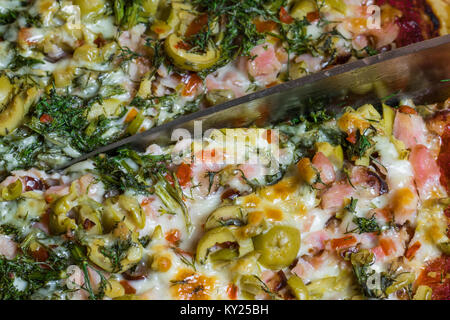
<point x="352" y="205"/>
<point x="324" y="206"/>
<point x="77" y="75"/>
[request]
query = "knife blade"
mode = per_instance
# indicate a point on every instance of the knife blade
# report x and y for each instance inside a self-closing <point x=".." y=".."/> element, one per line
<point x="416" y="71"/>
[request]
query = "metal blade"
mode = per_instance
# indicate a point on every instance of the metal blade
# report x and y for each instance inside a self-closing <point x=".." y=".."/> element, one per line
<point x="417" y="71"/>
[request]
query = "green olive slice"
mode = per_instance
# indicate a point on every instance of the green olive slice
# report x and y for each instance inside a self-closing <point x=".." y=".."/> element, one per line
<point x="223" y="255"/>
<point x="278" y="247"/>
<point x="89" y="216"/>
<point x="121" y="208"/>
<point x="59" y="222"/>
<point x="188" y="60"/>
<point x="102" y="251"/>
<point x="225" y="216"/>
<point x="210" y="239"/>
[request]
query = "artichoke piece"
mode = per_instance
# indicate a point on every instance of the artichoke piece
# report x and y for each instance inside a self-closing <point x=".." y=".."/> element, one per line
<point x="122" y="207"/>
<point x="150" y="7"/>
<point x="114" y="289"/>
<point x="319" y="287"/>
<point x="278" y="247"/>
<point x="90" y="7"/>
<point x="338" y="5"/>
<point x="11" y="117"/>
<point x="298" y="288"/>
<point x="87" y="54"/>
<point x="247" y="264"/>
<point x="12" y="191"/>
<point x="423" y="293"/>
<point x="6" y="90"/>
<point x="401" y="281"/>
<point x="157" y="233"/>
<point x="250" y="287"/>
<point x="302" y="8"/>
<point x="225" y="216"/>
<point x="190" y="61"/>
<point x="115" y="254"/>
<point x="298" y="70"/>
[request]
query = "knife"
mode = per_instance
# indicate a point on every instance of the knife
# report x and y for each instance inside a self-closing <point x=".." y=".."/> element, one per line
<point x="419" y="71"/>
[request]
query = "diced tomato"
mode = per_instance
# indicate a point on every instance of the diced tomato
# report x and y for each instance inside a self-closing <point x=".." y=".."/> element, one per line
<point x="351" y="137"/>
<point x="131" y="115"/>
<point x="209" y="156"/>
<point x="184" y="174"/>
<point x="312" y="16"/>
<point x="426" y="171"/>
<point x="196" y="25"/>
<point x="285" y="16"/>
<point x="192" y="81"/>
<point x="268" y="136"/>
<point x="173" y="236"/>
<point x="388" y="246"/>
<point x="444" y="159"/>
<point x="265" y="26"/>
<point x="411" y="252"/>
<point x="407" y="110"/>
<point x="127" y="287"/>
<point x="147" y="201"/>
<point x="40" y="254"/>
<point x="232" y="290"/>
<point x="46" y="118"/>
<point x="344" y="242"/>
<point x="182" y="45"/>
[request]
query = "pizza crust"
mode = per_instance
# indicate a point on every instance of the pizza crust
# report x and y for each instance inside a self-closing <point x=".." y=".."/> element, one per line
<point x="441" y="8"/>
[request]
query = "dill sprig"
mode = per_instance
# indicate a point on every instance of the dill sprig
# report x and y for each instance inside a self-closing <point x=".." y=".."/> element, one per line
<point x="189" y="262"/>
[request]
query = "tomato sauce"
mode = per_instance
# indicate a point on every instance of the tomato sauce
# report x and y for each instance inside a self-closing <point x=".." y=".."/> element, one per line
<point x="184" y="174"/>
<point x="444" y="159"/>
<point x="417" y="22"/>
<point x="435" y="275"/>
